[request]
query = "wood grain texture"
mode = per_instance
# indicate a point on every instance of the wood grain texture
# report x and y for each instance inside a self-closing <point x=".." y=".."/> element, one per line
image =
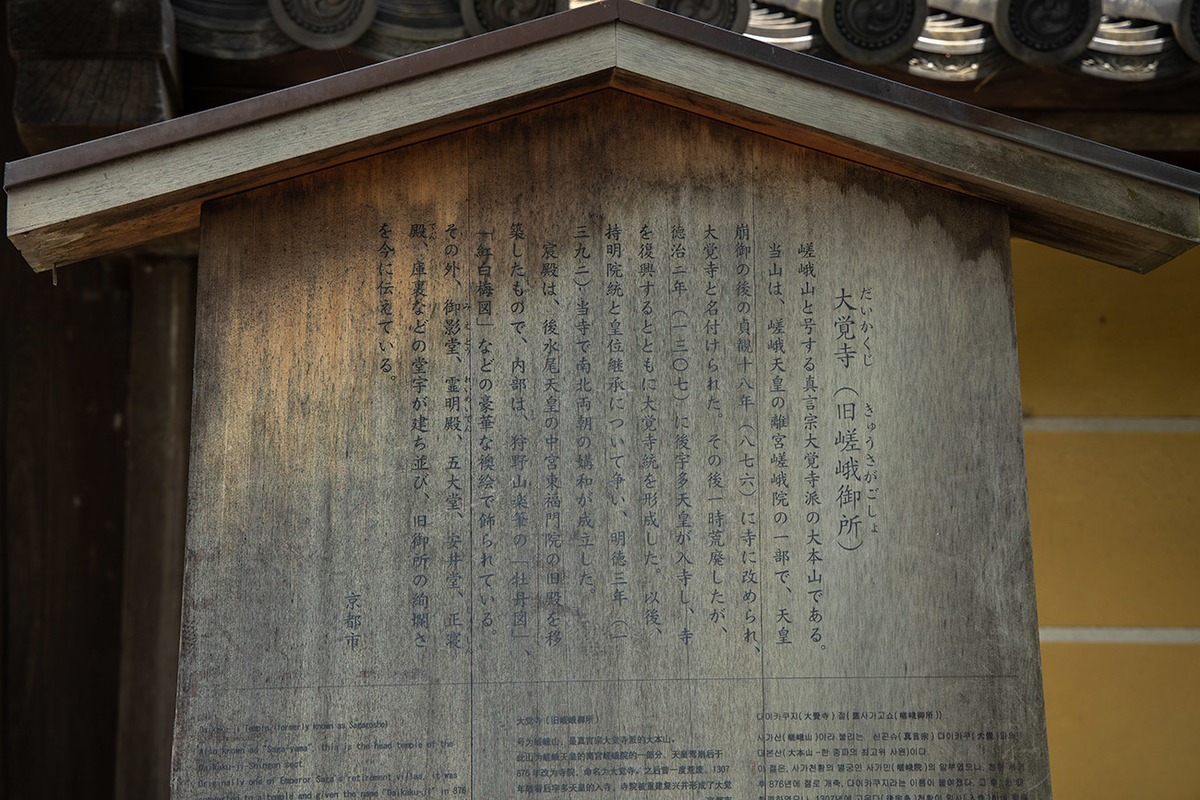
<point x="1078" y="206"/>
<point x="499" y="470"/>
<point x="160" y="392"/>
<point x="86" y="71"/>
<point x="158" y="196"/>
<point x="1073" y="206"/>
<point x="64" y="486"/>
<point x="65" y="101"/>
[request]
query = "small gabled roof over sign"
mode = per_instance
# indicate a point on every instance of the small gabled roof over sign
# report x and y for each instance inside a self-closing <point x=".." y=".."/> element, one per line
<point x="128" y="189"/>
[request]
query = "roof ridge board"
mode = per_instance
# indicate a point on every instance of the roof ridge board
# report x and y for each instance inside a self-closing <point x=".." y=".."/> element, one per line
<point x="304" y="95"/>
<point x="921" y="101"/>
<point x="375" y="76"/>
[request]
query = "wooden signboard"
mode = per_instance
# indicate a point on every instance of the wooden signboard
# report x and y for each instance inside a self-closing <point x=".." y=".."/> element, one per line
<point x="623" y="438"/>
<point x="604" y="450"/>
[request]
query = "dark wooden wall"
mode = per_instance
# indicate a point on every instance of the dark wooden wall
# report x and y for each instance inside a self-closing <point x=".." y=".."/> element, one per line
<point x="63" y="395"/>
<point x="95" y="380"/>
<point x="63" y="425"/>
<point x="94" y="400"/>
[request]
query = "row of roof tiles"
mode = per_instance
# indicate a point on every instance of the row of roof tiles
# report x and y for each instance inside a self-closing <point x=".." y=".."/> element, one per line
<point x="947" y="40"/>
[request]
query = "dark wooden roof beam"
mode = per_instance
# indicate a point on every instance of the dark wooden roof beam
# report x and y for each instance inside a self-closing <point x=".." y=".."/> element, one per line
<point x="86" y="70"/>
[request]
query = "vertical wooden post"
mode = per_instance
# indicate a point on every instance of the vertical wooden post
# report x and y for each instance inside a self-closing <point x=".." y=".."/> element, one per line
<point x="65" y="353"/>
<point x="162" y="318"/>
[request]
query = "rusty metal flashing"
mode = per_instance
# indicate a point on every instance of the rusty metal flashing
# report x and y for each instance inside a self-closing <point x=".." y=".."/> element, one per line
<point x="800" y="65"/>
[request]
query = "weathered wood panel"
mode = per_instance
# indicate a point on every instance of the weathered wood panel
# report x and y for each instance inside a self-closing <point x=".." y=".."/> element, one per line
<point x="160" y="393"/>
<point x="693" y="467"/>
<point x="1064" y="192"/>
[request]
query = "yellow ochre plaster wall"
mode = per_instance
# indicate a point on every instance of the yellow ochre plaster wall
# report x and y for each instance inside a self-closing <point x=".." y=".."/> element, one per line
<point x="1110" y="383"/>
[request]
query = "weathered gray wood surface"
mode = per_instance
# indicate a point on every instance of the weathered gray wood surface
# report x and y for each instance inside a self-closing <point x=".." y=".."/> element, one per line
<point x="119" y="193"/>
<point x="488" y="498"/>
